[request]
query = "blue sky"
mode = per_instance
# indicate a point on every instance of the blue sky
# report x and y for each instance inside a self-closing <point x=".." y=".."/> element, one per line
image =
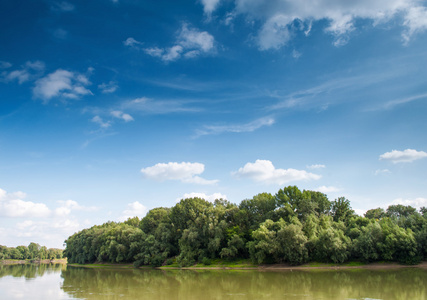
<point x="111" y="108"/>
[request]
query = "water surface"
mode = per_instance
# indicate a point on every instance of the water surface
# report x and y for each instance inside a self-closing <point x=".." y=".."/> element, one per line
<point x="62" y="282"/>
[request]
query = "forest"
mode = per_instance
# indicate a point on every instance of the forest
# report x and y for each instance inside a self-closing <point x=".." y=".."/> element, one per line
<point x="292" y="226"/>
<point x="33" y="252"/>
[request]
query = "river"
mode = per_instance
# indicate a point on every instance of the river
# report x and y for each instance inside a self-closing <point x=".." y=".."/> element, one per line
<point x="62" y="282"/>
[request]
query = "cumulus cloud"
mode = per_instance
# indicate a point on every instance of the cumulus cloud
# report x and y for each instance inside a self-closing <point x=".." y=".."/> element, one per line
<point x="237" y="128"/>
<point x="121" y="115"/>
<point x="405" y="156"/>
<point x="281" y="19"/>
<point x="12" y="206"/>
<point x="61" y="83"/>
<point x="108" y="88"/>
<point x="134" y="209"/>
<point x="185" y="172"/>
<point x="264" y="171"/>
<point x="417" y="202"/>
<point x="210" y="198"/>
<point x="190" y="43"/>
<point x="66" y="206"/>
<point x="29" y="71"/>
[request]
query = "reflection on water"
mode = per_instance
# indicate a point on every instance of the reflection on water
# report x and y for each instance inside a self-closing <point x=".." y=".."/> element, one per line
<point x="186" y="284"/>
<point x="82" y="283"/>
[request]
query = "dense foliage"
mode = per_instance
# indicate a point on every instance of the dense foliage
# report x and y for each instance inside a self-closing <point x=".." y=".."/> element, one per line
<point x="292" y="226"/>
<point x="33" y="252"/>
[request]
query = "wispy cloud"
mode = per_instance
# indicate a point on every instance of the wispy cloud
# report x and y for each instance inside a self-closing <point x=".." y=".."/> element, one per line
<point x="316" y="166"/>
<point x="29" y="71"/>
<point x="235" y="128"/>
<point x="283" y="19"/>
<point x="151" y="106"/>
<point x="109" y="87"/>
<point x="98" y="120"/>
<point x="121" y="115"/>
<point x="63" y="84"/>
<point x="186" y="172"/>
<point x="263" y="171"/>
<point x="190" y="43"/>
<point x="405" y="156"/>
<point x="62" y="6"/>
<point x="393" y="103"/>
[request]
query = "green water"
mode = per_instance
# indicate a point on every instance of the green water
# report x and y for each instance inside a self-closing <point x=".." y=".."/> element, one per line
<point x="62" y="282"/>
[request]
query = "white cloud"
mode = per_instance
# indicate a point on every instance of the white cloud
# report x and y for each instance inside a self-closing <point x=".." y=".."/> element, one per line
<point x="12" y="206"/>
<point x="98" y="120"/>
<point x="134" y="209"/>
<point x="107" y="88"/>
<point x="131" y="42"/>
<point x="408" y="155"/>
<point x="248" y="127"/>
<point x="69" y="205"/>
<point x="5" y="65"/>
<point x="209" y="6"/>
<point x="151" y="106"/>
<point x="316" y="166"/>
<point x="190" y="43"/>
<point x="121" y="115"/>
<point x="327" y="189"/>
<point x="29" y="71"/>
<point x="185" y="172"/>
<point x="60" y="34"/>
<point x="382" y="171"/>
<point x="61" y="83"/>
<point x="62" y="6"/>
<point x="210" y="198"/>
<point x="278" y="17"/>
<point x="415" y="21"/>
<point x="417" y="202"/>
<point x="265" y="172"/>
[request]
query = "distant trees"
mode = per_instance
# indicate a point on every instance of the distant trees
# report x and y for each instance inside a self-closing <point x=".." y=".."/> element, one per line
<point x="31" y="252"/>
<point x="292" y="226"/>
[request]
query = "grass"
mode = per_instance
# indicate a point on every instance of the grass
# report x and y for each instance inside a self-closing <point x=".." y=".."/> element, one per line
<point x="217" y="263"/>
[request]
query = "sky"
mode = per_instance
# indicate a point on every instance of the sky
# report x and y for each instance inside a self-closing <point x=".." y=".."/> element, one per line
<point x="109" y="108"/>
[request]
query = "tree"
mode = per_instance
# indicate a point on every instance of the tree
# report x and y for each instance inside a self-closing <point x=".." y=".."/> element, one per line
<point x="376" y="213"/>
<point x="341" y="210"/>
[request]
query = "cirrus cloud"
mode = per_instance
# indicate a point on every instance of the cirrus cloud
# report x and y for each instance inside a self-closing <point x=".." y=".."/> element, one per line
<point x="264" y="171"/>
<point x="185" y="172"/>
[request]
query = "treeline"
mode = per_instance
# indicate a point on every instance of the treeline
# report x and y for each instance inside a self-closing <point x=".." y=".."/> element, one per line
<point x="292" y="226"/>
<point x="33" y="252"/>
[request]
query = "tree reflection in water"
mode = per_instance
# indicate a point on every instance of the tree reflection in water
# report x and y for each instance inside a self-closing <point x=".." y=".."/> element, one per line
<point x="407" y="283"/>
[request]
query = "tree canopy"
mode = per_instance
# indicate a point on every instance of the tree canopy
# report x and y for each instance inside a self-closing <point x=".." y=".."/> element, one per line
<point x="292" y="226"/>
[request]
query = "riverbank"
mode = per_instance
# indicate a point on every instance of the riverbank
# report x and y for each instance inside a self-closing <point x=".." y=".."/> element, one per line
<point x="22" y="262"/>
<point x="246" y="265"/>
